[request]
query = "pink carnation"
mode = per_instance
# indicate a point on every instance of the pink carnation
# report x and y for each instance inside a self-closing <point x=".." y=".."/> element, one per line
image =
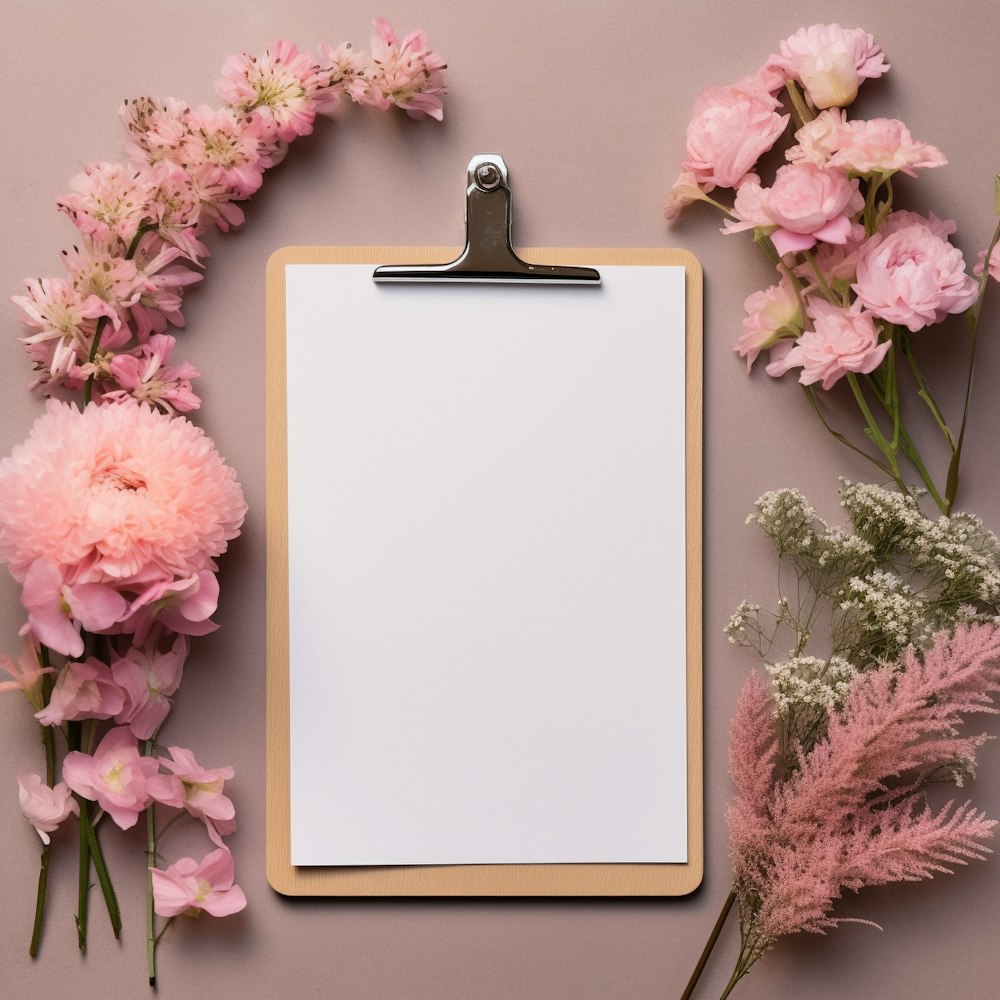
<point x="841" y="341"/>
<point x="771" y="314"/>
<point x="911" y="275"/>
<point x="116" y="494"/>
<point x="189" y="886"/>
<point x="115" y="776"/>
<point x="84" y="689"/>
<point x="830" y="62"/>
<point x="730" y="128"/>
<point x="43" y="807"/>
<point x="882" y="146"/>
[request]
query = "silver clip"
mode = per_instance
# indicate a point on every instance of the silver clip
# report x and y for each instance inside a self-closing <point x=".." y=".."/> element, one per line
<point x="488" y="255"/>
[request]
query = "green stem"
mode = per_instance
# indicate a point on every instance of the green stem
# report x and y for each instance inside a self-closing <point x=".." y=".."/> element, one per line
<point x="83" y="882"/>
<point x="801" y="110"/>
<point x="923" y="389"/>
<point x="874" y="432"/>
<point x="151" y="936"/>
<point x="114" y="914"/>
<point x="709" y="945"/>
<point x="820" y="278"/>
<point x="810" y="392"/>
<point x="972" y="318"/>
<point x="48" y="741"/>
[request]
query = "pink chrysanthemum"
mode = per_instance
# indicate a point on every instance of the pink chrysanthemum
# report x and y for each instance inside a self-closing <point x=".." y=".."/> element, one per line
<point x="116" y="494"/>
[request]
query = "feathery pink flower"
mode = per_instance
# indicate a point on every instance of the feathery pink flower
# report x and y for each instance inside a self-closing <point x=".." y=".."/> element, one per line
<point x="189" y="886"/>
<point x="43" y="807"/>
<point x="115" y="776"/>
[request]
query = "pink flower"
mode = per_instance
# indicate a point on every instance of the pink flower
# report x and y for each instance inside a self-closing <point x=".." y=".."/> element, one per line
<point x="226" y="149"/>
<point x="994" y="263"/>
<point x="730" y="128"/>
<point x="405" y="73"/>
<point x="176" y="208"/>
<point x="160" y="301"/>
<point x="830" y="62"/>
<point x="116" y="494"/>
<point x="819" y="139"/>
<point x="771" y="314"/>
<point x="107" y="200"/>
<point x="143" y="375"/>
<point x="97" y="271"/>
<point x="147" y="678"/>
<point x="26" y="674"/>
<point x="882" y="146"/>
<point x="806" y="204"/>
<point x="841" y="341"/>
<point x="912" y="275"/>
<point x="84" y="689"/>
<point x="283" y="89"/>
<point x="45" y="808"/>
<point x="115" y="776"/>
<point x="189" y="886"/>
<point x="348" y="69"/>
<point x="157" y="129"/>
<point x="53" y="607"/>
<point x="182" y="605"/>
<point x="195" y="788"/>
<point x="685" y="190"/>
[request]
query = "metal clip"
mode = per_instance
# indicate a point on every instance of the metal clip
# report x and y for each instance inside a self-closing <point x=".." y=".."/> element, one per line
<point x="488" y="255"/>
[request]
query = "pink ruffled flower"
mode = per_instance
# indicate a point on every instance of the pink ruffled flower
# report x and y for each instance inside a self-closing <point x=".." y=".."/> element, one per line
<point x="116" y="494"/>
<point x="819" y="139"/>
<point x="195" y="788"/>
<point x="771" y="315"/>
<point x="283" y="88"/>
<point x="226" y="150"/>
<point x="64" y="321"/>
<point x="184" y="606"/>
<point x="143" y="375"/>
<point x="841" y="341"/>
<point x="84" y="689"/>
<point x="189" y="886"/>
<point x="882" y="146"/>
<point x="26" y="674"/>
<point x="107" y="200"/>
<point x="54" y="606"/>
<point x="405" y="73"/>
<point x="147" y="678"/>
<point x="730" y="128"/>
<point x="908" y="273"/>
<point x="115" y="776"/>
<point x="685" y="190"/>
<point x="806" y="204"/>
<point x="830" y="62"/>
<point x="45" y="808"/>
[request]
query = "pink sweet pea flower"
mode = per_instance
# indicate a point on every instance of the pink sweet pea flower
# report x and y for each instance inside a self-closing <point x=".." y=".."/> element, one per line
<point x="84" y="689"/>
<point x="26" y="674"/>
<point x="830" y="62"/>
<point x="189" y="887"/>
<point x="908" y="273"/>
<point x="771" y="315"/>
<point x="45" y="808"/>
<point x="184" y="606"/>
<point x="195" y="788"/>
<point x="53" y="606"/>
<point x="147" y="678"/>
<point x="841" y="341"/>
<point x="115" y="776"/>
<point x="730" y="128"/>
<point x="806" y="204"/>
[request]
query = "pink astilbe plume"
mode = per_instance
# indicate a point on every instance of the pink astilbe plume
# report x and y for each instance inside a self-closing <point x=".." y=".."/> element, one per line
<point x="853" y="813"/>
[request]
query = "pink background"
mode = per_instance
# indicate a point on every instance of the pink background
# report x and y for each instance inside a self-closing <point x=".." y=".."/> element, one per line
<point x="588" y="102"/>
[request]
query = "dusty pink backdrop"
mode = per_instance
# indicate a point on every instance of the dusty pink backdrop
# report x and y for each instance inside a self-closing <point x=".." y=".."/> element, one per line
<point x="588" y="102"/>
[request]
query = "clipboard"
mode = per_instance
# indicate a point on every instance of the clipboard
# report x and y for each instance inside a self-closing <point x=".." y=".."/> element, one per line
<point x="486" y="258"/>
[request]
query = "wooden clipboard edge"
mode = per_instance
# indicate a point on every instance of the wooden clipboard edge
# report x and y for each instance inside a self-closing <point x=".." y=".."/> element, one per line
<point x="612" y="879"/>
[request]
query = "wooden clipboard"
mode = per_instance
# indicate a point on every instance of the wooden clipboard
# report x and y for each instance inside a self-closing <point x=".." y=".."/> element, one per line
<point x="592" y="879"/>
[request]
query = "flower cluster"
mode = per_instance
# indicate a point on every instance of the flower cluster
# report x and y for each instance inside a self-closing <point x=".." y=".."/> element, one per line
<point x="855" y="277"/>
<point x="112" y="515"/>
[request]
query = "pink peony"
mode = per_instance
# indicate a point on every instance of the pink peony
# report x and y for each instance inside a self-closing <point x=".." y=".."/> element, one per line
<point x="84" y="689"/>
<point x="405" y="73"/>
<point x="195" y="788"/>
<point x="882" y="146"/>
<point x="189" y="887"/>
<point x="147" y="678"/>
<point x="116" y="494"/>
<point x="806" y="204"/>
<point x="116" y="776"/>
<point x="841" y="341"/>
<point x="771" y="314"/>
<point x="45" y="808"/>
<point x="730" y="128"/>
<point x="908" y="273"/>
<point x="830" y="62"/>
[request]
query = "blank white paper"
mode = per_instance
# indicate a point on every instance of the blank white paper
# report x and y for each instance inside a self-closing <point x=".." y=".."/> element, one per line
<point x="486" y="570"/>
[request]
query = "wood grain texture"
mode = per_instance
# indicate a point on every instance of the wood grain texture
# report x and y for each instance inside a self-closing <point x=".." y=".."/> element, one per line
<point x="468" y="880"/>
